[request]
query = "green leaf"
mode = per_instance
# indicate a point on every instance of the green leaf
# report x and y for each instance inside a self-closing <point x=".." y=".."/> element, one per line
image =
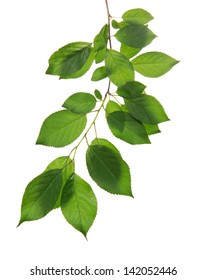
<point x="100" y="44"/>
<point x="108" y="169"/>
<point x="85" y="67"/>
<point x="41" y="195"/>
<point x="146" y="109"/>
<point x="129" y="51"/>
<point x="115" y="24"/>
<point x="79" y="204"/>
<point x="97" y="94"/>
<point x="100" y="41"/>
<point x="153" y="64"/>
<point x="71" y="61"/>
<point x="137" y="16"/>
<point x="126" y="128"/>
<point x="135" y="36"/>
<point x="131" y="90"/>
<point x="151" y="128"/>
<point x="119" y="68"/>
<point x="100" y="55"/>
<point x="99" y="74"/>
<point x="112" y="107"/>
<point x="67" y="166"/>
<point x="80" y="103"/>
<point x="61" y="128"/>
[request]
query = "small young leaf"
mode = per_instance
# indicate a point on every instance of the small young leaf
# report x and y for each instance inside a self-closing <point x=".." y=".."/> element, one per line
<point x="67" y="166"/>
<point x="151" y="128"/>
<point x="41" y="195"/>
<point x="115" y="24"/>
<point x="126" y="128"/>
<point x="97" y="94"/>
<point x="100" y="55"/>
<point x="129" y="51"/>
<point x="153" y="64"/>
<point x="100" y="41"/>
<point x="79" y="204"/>
<point x="99" y="74"/>
<point x="119" y="68"/>
<point x="135" y="36"/>
<point x="112" y="107"/>
<point x="70" y="60"/>
<point x="80" y="103"/>
<point x="131" y="90"/>
<point x="146" y="109"/>
<point x="61" y="128"/>
<point x="108" y="170"/>
<point x="137" y="16"/>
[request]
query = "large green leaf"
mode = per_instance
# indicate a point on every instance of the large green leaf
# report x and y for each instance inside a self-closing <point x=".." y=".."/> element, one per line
<point x="119" y="68"/>
<point x="135" y="36"/>
<point x="137" y="16"/>
<point x="67" y="166"/>
<point x="61" y="128"/>
<point x="108" y="169"/>
<point x="80" y="103"/>
<point x="129" y="51"/>
<point x="126" y="128"/>
<point x="131" y="90"/>
<point x="146" y="109"/>
<point x="99" y="74"/>
<point x="153" y="64"/>
<point x="79" y="204"/>
<point x="71" y="61"/>
<point x="41" y="195"/>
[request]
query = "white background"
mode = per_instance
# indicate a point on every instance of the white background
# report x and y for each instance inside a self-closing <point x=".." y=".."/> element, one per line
<point x="165" y="224"/>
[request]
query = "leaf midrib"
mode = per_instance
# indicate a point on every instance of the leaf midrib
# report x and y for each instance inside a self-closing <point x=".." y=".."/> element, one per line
<point x="104" y="164"/>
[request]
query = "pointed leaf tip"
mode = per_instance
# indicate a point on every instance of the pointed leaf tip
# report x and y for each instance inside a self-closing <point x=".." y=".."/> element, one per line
<point x="79" y="204"/>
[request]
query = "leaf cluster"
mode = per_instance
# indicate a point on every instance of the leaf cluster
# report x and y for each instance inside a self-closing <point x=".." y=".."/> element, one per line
<point x="131" y="114"/>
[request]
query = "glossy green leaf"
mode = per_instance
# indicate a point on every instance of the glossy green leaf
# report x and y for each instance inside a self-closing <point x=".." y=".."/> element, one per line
<point x="146" y="109"/>
<point x="119" y="68"/>
<point x="99" y="74"/>
<point x="61" y="128"/>
<point x="97" y="94"/>
<point x="151" y="128"/>
<point x="135" y="36"/>
<point x="41" y="195"/>
<point x="79" y="204"/>
<point x="131" y="90"/>
<point x="108" y="169"/>
<point x="126" y="128"/>
<point x="80" y="103"/>
<point x="67" y="166"/>
<point x="153" y="64"/>
<point x="129" y="51"/>
<point x="137" y="16"/>
<point x="71" y="61"/>
<point x="112" y="106"/>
